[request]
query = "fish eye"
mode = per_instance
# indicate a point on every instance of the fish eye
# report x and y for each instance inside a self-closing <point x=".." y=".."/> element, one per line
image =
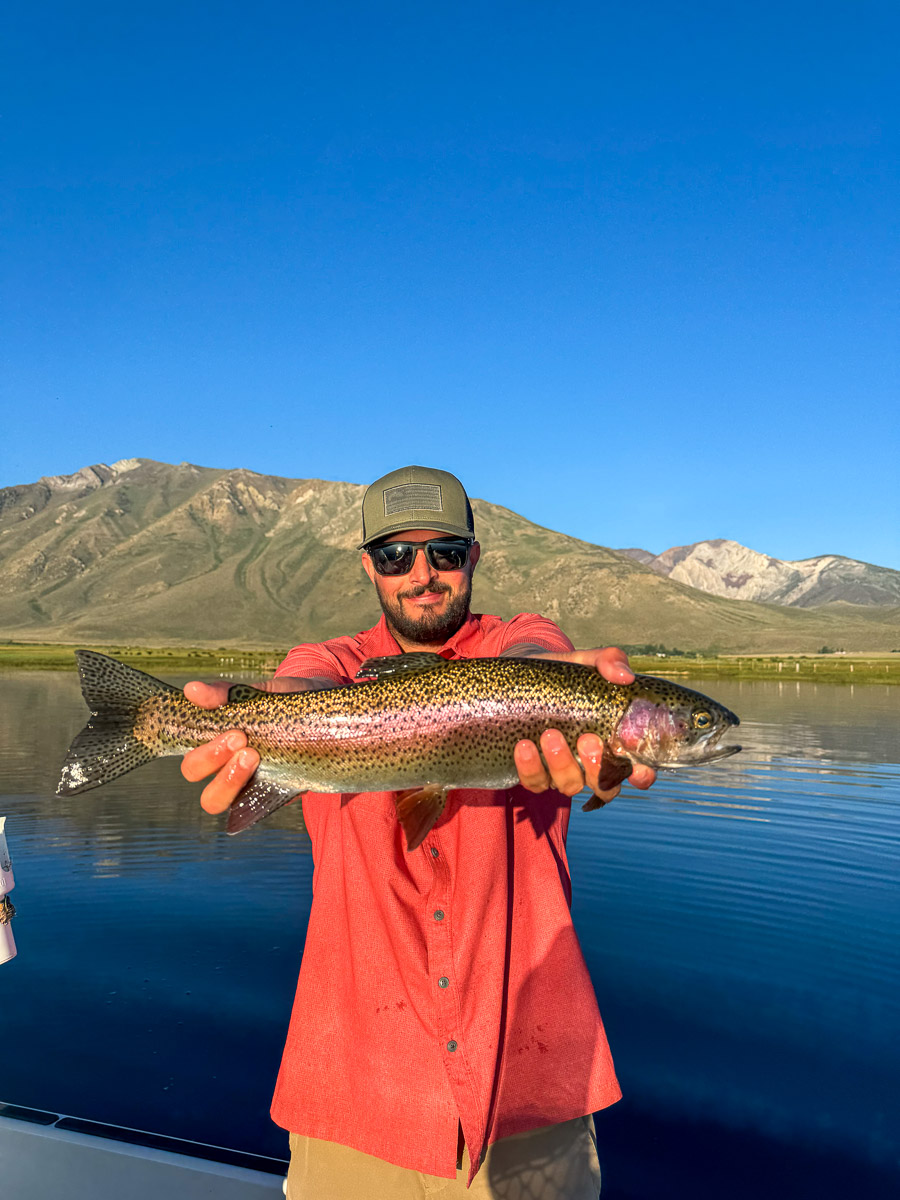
<point x="702" y="720"/>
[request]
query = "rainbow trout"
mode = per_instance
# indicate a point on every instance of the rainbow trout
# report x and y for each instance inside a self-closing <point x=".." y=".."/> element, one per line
<point x="419" y="725"/>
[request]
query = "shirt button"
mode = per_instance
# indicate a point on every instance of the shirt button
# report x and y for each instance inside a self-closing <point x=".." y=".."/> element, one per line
<point x="434" y="851"/>
<point x="439" y="914"/>
<point x="443" y="981"/>
<point x="451" y="1046"/>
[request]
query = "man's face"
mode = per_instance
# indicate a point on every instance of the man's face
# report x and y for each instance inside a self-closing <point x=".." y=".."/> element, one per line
<point x="426" y="606"/>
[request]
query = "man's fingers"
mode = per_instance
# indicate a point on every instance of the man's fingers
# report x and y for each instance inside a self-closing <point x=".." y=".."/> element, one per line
<point x="565" y="774"/>
<point x="532" y="773"/>
<point x="222" y="791"/>
<point x="562" y="770"/>
<point x="230" y="760"/>
<point x="590" y="751"/>
<point x="612" y="663"/>
<point x="642" y="777"/>
<point x="206" y="695"/>
<point x="212" y="756"/>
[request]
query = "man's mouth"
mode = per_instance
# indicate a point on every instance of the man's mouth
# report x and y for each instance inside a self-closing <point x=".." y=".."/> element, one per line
<point x="424" y="599"/>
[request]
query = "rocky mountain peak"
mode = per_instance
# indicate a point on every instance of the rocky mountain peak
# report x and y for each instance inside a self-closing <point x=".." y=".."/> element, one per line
<point x="723" y="567"/>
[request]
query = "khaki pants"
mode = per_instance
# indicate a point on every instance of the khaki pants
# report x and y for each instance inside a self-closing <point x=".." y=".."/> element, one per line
<point x="557" y="1162"/>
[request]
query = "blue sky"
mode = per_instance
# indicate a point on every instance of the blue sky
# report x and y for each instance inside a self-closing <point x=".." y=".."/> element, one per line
<point x="629" y="269"/>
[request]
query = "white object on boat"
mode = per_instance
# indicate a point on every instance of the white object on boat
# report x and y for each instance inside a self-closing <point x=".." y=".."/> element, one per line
<point x="43" y="1154"/>
<point x="7" y="883"/>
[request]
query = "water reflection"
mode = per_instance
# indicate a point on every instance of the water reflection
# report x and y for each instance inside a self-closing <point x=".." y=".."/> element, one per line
<point x="740" y="922"/>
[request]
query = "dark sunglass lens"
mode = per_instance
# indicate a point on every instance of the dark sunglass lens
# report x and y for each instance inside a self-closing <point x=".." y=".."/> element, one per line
<point x="396" y="558"/>
<point x="448" y="556"/>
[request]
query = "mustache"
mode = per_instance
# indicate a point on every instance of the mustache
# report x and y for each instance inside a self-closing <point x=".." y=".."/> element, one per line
<point x="421" y="589"/>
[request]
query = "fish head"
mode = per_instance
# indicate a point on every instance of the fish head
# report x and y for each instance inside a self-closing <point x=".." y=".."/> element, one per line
<point x="667" y="725"/>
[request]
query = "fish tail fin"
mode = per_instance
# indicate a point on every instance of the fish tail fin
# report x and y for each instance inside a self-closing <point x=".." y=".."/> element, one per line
<point x="107" y="747"/>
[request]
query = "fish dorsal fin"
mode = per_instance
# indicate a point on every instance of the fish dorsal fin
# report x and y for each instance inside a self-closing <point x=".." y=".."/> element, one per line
<point x="400" y="664"/>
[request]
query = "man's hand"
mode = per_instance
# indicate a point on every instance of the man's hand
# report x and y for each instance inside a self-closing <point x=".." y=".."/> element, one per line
<point x="228" y="755"/>
<point x="562" y="771"/>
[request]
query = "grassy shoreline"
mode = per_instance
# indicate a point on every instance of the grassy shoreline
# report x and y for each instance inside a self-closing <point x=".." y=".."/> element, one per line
<point x="34" y="656"/>
<point x="811" y="668"/>
<point x="163" y="660"/>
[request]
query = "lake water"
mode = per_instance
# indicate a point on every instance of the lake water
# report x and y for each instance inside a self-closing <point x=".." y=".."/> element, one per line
<point x="741" y="923"/>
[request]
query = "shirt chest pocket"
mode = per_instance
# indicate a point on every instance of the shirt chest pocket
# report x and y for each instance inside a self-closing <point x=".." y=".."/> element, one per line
<point x="371" y="803"/>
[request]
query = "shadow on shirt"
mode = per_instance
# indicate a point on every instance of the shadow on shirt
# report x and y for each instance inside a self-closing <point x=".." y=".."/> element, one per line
<point x="554" y="1067"/>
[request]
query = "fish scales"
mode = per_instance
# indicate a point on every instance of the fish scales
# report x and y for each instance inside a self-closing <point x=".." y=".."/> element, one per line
<point x="419" y="725"/>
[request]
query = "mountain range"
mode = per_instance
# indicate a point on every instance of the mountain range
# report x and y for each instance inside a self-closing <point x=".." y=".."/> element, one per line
<point x="725" y="568"/>
<point x="145" y="552"/>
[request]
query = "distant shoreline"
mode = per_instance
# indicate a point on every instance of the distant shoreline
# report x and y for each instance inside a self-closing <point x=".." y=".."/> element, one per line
<point x="227" y="661"/>
<point x="780" y="668"/>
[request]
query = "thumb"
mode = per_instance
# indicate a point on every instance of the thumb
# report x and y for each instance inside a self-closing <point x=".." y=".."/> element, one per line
<point x="612" y="663"/>
<point x="206" y="695"/>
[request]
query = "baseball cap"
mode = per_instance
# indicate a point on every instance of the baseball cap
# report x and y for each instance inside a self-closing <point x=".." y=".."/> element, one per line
<point x="416" y="498"/>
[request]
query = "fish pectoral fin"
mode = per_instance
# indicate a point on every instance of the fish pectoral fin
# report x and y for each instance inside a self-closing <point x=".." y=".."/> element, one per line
<point x="262" y="795"/>
<point x="614" y="768"/>
<point x="400" y="664"/>
<point x="417" y="811"/>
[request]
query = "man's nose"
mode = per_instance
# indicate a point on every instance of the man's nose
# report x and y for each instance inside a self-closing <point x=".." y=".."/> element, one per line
<point x="422" y="571"/>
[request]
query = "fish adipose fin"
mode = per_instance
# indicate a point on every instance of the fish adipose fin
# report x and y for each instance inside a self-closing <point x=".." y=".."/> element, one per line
<point x="107" y="747"/>
<point x="400" y="664"/>
<point x="417" y="811"/>
<point x="614" y="768"/>
<point x="262" y="795"/>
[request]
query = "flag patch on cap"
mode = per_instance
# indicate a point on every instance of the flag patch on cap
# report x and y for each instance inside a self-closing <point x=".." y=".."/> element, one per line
<point x="413" y="497"/>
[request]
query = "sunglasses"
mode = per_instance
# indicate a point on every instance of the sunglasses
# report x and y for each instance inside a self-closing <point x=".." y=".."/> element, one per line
<point x="442" y="554"/>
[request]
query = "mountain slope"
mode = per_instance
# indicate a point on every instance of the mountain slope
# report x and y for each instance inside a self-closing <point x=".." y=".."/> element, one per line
<point x="146" y="552"/>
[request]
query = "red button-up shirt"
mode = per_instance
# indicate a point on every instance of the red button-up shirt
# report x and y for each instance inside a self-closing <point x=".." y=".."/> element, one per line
<point x="446" y="985"/>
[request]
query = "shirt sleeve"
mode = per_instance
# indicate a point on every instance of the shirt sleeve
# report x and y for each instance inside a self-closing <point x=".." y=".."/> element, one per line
<point x="528" y="629"/>
<point x="312" y="661"/>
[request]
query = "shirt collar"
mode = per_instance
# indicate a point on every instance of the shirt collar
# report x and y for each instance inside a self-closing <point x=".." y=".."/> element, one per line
<point x="379" y="642"/>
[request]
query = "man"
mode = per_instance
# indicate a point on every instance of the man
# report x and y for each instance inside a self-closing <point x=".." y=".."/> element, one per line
<point x="445" y="1031"/>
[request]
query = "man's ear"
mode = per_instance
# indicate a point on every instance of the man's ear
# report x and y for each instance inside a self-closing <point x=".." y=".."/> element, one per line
<point x="474" y="554"/>
<point x="367" y="566"/>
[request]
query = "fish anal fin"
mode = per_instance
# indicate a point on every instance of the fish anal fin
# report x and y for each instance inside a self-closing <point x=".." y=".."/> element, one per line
<point x="417" y="811"/>
<point x="400" y="664"/>
<point x="261" y="797"/>
<point x="614" y="768"/>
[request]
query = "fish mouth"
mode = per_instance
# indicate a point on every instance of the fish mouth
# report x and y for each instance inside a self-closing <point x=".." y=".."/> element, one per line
<point x="683" y="764"/>
<point x="721" y="752"/>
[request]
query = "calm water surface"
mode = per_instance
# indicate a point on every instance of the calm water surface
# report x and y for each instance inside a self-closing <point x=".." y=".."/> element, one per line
<point x="741" y="923"/>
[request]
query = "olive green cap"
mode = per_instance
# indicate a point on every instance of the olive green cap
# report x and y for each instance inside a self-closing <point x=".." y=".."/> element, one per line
<point x="416" y="498"/>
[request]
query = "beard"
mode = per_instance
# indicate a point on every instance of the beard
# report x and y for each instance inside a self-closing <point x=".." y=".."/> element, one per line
<point x="429" y="626"/>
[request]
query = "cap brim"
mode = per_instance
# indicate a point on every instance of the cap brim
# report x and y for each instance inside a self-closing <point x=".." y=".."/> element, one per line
<point x="423" y="521"/>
